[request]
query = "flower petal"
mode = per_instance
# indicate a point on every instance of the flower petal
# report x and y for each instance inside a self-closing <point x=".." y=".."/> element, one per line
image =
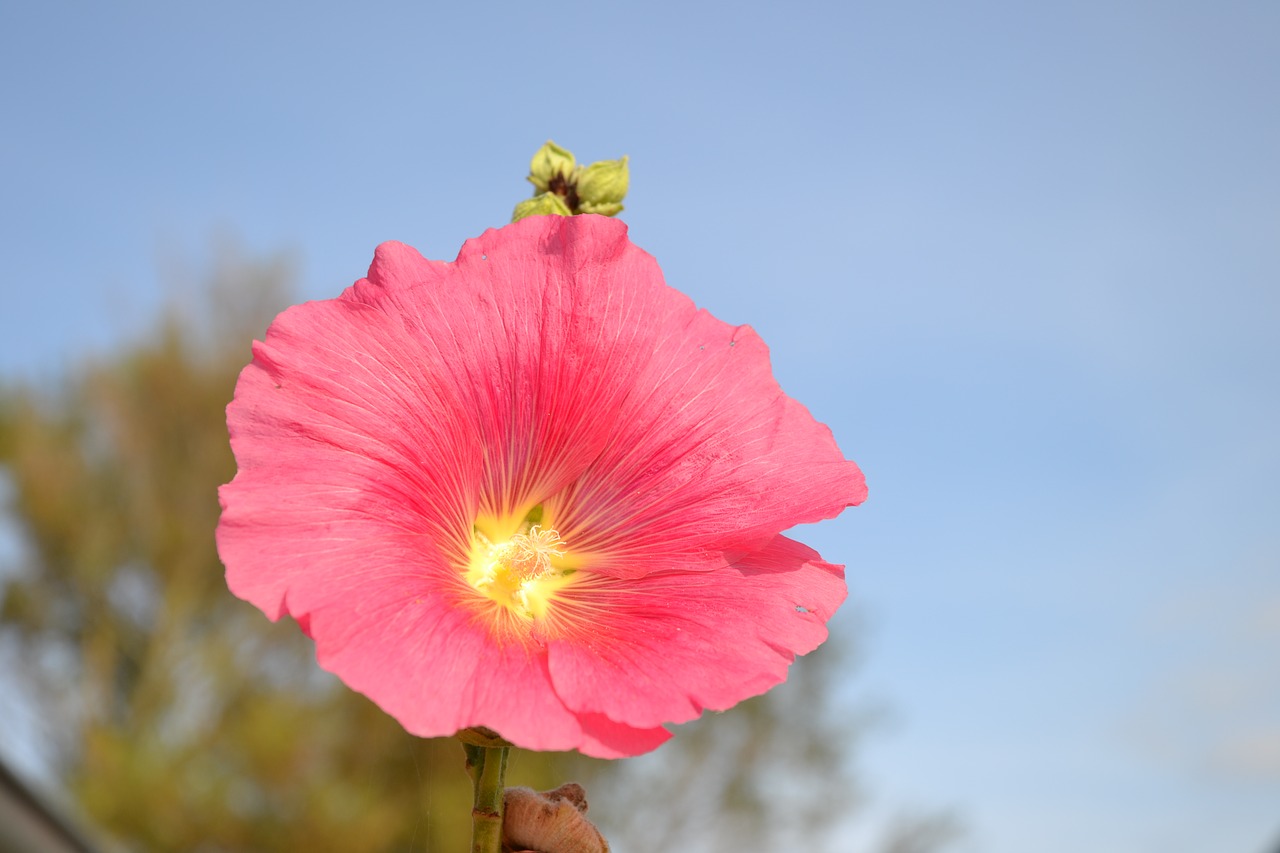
<point x="388" y="631"/>
<point x="663" y="647"/>
<point x="709" y="454"/>
<point x="539" y="328"/>
<point x="331" y="425"/>
<point x="436" y="668"/>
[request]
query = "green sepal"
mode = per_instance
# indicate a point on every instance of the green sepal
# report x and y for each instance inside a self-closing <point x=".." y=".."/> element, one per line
<point x="539" y="205"/>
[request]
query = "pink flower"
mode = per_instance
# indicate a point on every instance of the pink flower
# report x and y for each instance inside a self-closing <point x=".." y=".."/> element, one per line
<point x="534" y="489"/>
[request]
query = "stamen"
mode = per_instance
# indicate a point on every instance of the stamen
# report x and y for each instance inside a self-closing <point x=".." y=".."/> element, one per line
<point x="518" y="573"/>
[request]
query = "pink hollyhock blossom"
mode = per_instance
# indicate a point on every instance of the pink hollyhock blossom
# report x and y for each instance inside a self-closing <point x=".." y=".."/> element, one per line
<point x="534" y="489"/>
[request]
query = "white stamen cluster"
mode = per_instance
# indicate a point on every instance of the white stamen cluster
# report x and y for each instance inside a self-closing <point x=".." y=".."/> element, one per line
<point x="515" y="566"/>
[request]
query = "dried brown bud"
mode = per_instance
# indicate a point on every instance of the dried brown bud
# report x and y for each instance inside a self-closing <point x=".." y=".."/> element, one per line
<point x="549" y="822"/>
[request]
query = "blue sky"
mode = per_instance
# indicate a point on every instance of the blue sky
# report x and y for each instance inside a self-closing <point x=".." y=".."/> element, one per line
<point x="1023" y="258"/>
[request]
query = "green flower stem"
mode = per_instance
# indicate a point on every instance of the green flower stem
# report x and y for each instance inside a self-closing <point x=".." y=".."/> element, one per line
<point x="488" y="768"/>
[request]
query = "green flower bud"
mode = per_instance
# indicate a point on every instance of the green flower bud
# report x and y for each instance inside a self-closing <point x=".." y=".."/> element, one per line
<point x="546" y="203"/>
<point x="603" y="185"/>
<point x="550" y="160"/>
<point x="606" y="209"/>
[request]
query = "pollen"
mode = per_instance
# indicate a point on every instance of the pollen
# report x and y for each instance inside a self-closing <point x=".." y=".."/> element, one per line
<point x="520" y="573"/>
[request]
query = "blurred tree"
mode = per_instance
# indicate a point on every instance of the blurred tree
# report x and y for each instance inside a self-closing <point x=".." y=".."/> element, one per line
<point x="181" y="719"/>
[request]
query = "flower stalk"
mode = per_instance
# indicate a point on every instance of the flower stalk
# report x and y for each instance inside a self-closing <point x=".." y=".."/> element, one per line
<point x="488" y="769"/>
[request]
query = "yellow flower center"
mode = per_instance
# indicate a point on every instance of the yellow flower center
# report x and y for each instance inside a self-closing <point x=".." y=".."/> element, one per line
<point x="519" y="573"/>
